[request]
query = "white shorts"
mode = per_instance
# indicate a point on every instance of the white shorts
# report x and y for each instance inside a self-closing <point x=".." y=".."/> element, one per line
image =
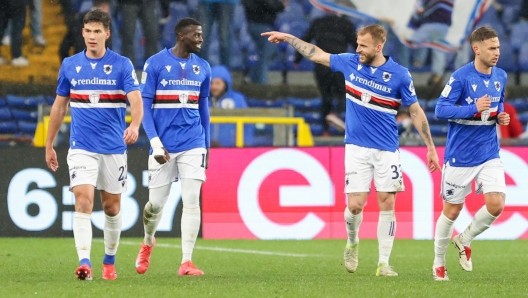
<point x="456" y="181"/>
<point x="362" y="164"/>
<point x="187" y="164"/>
<point x="106" y="172"/>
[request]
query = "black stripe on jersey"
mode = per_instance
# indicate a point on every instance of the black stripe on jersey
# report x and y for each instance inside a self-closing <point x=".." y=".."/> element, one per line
<point x="79" y="100"/>
<point x="166" y="101"/>
<point x="373" y="102"/>
<point x="478" y="118"/>
<point x="107" y="100"/>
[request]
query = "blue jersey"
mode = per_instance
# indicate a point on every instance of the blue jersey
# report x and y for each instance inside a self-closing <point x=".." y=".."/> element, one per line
<point x="175" y="97"/>
<point x="97" y="89"/>
<point x="374" y="95"/>
<point x="471" y="136"/>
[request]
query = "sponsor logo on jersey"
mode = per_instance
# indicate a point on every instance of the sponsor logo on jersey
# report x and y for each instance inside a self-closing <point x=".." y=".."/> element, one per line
<point x="196" y="69"/>
<point x="469" y="100"/>
<point x="359" y="67"/>
<point x="78" y="68"/>
<point x="474" y="86"/>
<point x="145" y="67"/>
<point x="370" y="83"/>
<point x="386" y="76"/>
<point x="134" y="76"/>
<point x="107" y="69"/>
<point x="182" y="82"/>
<point x="168" y="67"/>
<point x="411" y="89"/>
<point x="93" y="65"/>
<point x="451" y="80"/>
<point x="497" y="85"/>
<point x="94" y="81"/>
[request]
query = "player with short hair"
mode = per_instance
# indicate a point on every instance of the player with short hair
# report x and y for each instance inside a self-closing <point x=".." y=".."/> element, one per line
<point x="376" y="87"/>
<point x="96" y="83"/>
<point x="472" y="101"/>
<point x="175" y="85"/>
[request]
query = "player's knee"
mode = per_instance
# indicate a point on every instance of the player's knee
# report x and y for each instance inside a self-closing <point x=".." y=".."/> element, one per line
<point x="83" y="205"/>
<point x="355" y="207"/>
<point x="495" y="203"/>
<point x="111" y="209"/>
<point x="153" y="208"/>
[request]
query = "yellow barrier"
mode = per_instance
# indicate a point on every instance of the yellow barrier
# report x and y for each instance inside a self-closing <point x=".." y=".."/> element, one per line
<point x="304" y="135"/>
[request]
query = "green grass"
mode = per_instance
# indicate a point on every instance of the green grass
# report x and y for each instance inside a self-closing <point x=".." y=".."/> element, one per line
<point x="44" y="268"/>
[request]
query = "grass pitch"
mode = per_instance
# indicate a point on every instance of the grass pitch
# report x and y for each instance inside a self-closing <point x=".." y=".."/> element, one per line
<point x="45" y="268"/>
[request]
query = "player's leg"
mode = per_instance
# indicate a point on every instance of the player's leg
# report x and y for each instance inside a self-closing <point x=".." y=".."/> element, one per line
<point x="83" y="172"/>
<point x="112" y="182"/>
<point x="388" y="180"/>
<point x="358" y="176"/>
<point x="191" y="166"/>
<point x="456" y="185"/>
<point x="491" y="182"/>
<point x="160" y="181"/>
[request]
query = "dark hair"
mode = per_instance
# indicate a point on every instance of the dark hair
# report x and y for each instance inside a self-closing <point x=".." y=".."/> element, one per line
<point x="377" y="32"/>
<point x="183" y="23"/>
<point x="482" y="34"/>
<point x="97" y="16"/>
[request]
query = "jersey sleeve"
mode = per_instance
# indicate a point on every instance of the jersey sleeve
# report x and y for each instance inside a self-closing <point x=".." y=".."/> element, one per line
<point x="407" y="92"/>
<point x="203" y="105"/>
<point x="148" y="91"/>
<point x="338" y="62"/>
<point x="446" y="106"/>
<point x="63" y="84"/>
<point x="130" y="80"/>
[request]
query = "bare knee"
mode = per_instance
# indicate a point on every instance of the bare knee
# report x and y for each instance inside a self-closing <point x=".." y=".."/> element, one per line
<point x="452" y="211"/>
<point x="356" y="202"/>
<point x="111" y="203"/>
<point x="83" y="204"/>
<point x="495" y="202"/>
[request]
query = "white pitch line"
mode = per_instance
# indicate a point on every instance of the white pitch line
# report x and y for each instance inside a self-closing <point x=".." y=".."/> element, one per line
<point x="235" y="250"/>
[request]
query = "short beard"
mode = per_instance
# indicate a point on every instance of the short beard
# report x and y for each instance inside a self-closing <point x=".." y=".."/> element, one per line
<point x="368" y="59"/>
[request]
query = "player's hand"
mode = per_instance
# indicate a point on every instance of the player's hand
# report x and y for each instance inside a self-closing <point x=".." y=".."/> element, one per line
<point x="131" y="135"/>
<point x="483" y="103"/>
<point x="207" y="159"/>
<point x="162" y="158"/>
<point x="276" y="37"/>
<point x="432" y="161"/>
<point x="503" y="118"/>
<point x="51" y="159"/>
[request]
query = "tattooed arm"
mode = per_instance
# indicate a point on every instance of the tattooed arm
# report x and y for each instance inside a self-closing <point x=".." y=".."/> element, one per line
<point x="422" y="125"/>
<point x="308" y="50"/>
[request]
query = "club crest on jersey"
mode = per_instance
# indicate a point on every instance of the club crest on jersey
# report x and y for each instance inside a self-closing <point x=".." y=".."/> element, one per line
<point x="94" y="98"/>
<point x="78" y="68"/>
<point x="386" y="76"/>
<point x="107" y="69"/>
<point x="484" y="116"/>
<point x="168" y="67"/>
<point x="365" y="97"/>
<point x="93" y="65"/>
<point x="486" y="82"/>
<point x="196" y="69"/>
<point x="497" y="85"/>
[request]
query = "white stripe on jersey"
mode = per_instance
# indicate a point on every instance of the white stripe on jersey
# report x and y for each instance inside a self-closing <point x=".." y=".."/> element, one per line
<point x="473" y="122"/>
<point x="175" y="106"/>
<point x="99" y="105"/>
<point x="370" y="106"/>
<point x="398" y="100"/>
<point x="89" y="92"/>
<point x="178" y="92"/>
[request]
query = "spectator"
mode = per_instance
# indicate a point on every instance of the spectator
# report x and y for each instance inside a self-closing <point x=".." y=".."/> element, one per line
<point x="261" y="15"/>
<point x="333" y="34"/>
<point x="146" y="11"/>
<point x="221" y="12"/>
<point x="35" y="24"/>
<point x="224" y="97"/>
<point x="515" y="129"/>
<point x="14" y="10"/>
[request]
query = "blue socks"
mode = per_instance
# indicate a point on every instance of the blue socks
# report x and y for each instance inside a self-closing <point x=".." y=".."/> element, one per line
<point x="85" y="262"/>
<point x="109" y="260"/>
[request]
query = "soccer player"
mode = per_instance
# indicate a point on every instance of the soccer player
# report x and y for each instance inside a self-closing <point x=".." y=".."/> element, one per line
<point x="376" y="87"/>
<point x="175" y="85"/>
<point x="96" y="83"/>
<point x="472" y="100"/>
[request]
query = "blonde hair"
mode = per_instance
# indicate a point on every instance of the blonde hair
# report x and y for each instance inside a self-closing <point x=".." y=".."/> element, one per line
<point x="377" y="32"/>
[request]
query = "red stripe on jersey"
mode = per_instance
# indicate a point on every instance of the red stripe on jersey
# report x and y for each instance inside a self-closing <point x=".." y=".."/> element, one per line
<point x="394" y="104"/>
